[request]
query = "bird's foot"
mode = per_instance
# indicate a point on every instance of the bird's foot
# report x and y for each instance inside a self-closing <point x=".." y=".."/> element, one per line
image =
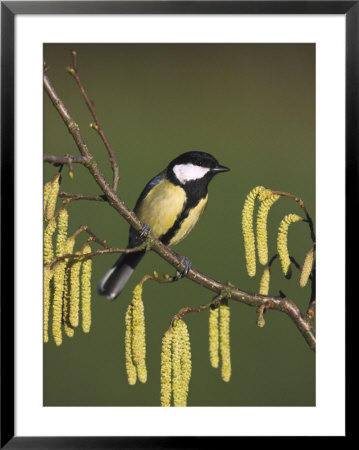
<point x="188" y="265"/>
<point x="146" y="230"/>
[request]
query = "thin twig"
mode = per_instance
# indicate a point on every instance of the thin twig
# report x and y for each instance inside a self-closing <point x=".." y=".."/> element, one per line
<point x="74" y="72"/>
<point x="157" y="279"/>
<point x="312" y="302"/>
<point x="65" y="160"/>
<point x="217" y="300"/>
<point x="188" y="309"/>
<point x="85" y="228"/>
<point x="304" y="208"/>
<point x="274" y="257"/>
<point x="104" y="251"/>
<point x="73" y="197"/>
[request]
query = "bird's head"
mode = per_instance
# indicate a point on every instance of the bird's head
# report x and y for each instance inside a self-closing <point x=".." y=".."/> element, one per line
<point x="194" y="167"/>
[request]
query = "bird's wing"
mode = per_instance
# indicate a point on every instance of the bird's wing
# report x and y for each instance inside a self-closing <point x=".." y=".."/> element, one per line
<point x="134" y="239"/>
<point x="150" y="185"/>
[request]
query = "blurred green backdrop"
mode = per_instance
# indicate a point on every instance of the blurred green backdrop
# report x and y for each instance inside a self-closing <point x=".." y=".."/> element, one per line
<point x="251" y="106"/>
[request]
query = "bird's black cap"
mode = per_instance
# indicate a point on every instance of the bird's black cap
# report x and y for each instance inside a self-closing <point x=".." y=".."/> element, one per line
<point x="199" y="159"/>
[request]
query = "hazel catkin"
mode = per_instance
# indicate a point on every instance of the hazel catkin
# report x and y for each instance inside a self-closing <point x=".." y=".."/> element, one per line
<point x="307" y="268"/>
<point x="247" y="229"/>
<point x="282" y="241"/>
<point x="224" y="322"/>
<point x="166" y="369"/>
<point x="214" y="337"/>
<point x="262" y="218"/>
<point x="86" y="290"/>
<point x="51" y="197"/>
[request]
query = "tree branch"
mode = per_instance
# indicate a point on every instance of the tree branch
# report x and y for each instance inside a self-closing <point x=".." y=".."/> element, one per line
<point x="104" y="251"/>
<point x="91" y="234"/>
<point x="71" y="197"/>
<point x="65" y="160"/>
<point x="268" y="302"/>
<point x="97" y="126"/>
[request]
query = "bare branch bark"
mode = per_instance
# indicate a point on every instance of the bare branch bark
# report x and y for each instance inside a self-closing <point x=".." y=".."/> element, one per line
<point x="97" y="126"/>
<point x="284" y="305"/>
<point x="65" y="160"/>
<point x="72" y="197"/>
<point x="105" y="251"/>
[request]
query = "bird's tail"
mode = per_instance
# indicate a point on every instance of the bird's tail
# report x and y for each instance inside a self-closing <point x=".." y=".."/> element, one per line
<point x="114" y="281"/>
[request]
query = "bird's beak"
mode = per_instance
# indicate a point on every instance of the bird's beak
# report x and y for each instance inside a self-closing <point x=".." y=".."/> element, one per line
<point x="219" y="169"/>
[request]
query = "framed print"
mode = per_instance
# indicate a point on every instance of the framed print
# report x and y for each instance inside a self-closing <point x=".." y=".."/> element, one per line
<point x="123" y="124"/>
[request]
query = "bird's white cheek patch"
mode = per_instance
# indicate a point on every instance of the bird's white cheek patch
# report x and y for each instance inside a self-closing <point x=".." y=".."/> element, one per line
<point x="188" y="172"/>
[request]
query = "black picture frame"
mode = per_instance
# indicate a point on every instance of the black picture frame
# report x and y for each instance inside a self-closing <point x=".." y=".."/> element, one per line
<point x="9" y="10"/>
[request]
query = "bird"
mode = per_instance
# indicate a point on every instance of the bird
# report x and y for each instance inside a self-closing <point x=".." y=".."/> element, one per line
<point x="170" y="205"/>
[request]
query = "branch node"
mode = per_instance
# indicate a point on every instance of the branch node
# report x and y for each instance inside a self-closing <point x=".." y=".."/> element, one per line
<point x="94" y="126"/>
<point x="71" y="71"/>
<point x="226" y="292"/>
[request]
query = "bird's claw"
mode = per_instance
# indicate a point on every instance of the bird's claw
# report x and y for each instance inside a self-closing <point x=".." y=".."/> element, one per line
<point x="146" y="230"/>
<point x="188" y="265"/>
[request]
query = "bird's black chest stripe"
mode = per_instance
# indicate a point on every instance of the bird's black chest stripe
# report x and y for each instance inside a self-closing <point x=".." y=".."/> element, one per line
<point x="194" y="193"/>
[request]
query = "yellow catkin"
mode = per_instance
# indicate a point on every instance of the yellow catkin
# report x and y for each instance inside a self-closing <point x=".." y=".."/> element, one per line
<point x="224" y="321"/>
<point x="263" y="194"/>
<point x="52" y="198"/>
<point x="264" y="283"/>
<point x="307" y="268"/>
<point x="142" y="371"/>
<point x="62" y="246"/>
<point x="62" y="225"/>
<point x="166" y="369"/>
<point x="139" y="334"/>
<point x="282" y="241"/>
<point x="247" y="229"/>
<point x="130" y="367"/>
<point x="75" y="292"/>
<point x="213" y="337"/>
<point x="69" y="331"/>
<point x="47" y="190"/>
<point x="177" y="385"/>
<point x="181" y="363"/>
<point x="68" y="248"/>
<point x="186" y="363"/>
<point x="48" y="247"/>
<point x="47" y="298"/>
<point x="59" y="284"/>
<point x="86" y="291"/>
<point x="262" y="217"/>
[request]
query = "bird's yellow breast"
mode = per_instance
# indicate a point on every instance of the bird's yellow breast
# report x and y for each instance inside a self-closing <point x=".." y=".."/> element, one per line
<point x="161" y="207"/>
<point x="189" y="222"/>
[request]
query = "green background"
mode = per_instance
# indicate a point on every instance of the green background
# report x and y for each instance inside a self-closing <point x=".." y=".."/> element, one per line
<point x="253" y="108"/>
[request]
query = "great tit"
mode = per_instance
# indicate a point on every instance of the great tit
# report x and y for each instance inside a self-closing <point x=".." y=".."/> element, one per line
<point x="170" y="205"/>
